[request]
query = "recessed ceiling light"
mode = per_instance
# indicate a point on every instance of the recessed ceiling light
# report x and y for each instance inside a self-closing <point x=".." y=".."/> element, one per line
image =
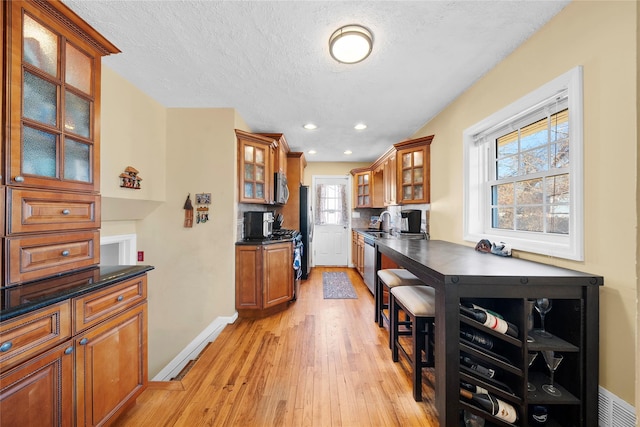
<point x="312" y="151"/>
<point x="310" y="126"/>
<point x="360" y="126"/>
<point x="348" y="152"/>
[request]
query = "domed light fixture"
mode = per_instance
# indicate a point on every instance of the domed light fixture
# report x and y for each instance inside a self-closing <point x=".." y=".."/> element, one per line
<point x="350" y="44"/>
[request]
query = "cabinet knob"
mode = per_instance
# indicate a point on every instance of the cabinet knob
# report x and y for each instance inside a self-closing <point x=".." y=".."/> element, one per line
<point x="66" y="212"/>
<point x="120" y="298"/>
<point x="65" y="253"/>
<point x="69" y="350"/>
<point x="6" y="346"/>
<point x="84" y="341"/>
<point x="19" y="178"/>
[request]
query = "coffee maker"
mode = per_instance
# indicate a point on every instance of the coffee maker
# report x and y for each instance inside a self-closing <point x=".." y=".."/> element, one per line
<point x="410" y="221"/>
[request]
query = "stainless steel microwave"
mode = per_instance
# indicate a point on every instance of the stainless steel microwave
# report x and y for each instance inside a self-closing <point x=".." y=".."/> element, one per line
<point x="280" y="189"/>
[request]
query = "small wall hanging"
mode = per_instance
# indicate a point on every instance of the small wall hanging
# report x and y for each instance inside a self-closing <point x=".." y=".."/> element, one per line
<point x="130" y="178"/>
<point x="188" y="212"/>
<point x="203" y="200"/>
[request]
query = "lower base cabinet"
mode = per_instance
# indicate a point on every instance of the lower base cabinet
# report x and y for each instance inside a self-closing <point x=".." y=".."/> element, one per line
<point x="264" y="278"/>
<point x="90" y="378"/>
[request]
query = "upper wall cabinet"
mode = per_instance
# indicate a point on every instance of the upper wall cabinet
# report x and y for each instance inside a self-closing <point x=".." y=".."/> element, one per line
<point x="413" y="170"/>
<point x="280" y="158"/>
<point x="363" y="188"/>
<point x="53" y="97"/>
<point x="255" y="167"/>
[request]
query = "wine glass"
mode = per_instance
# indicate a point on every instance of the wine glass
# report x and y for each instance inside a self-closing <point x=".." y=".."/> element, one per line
<point x="552" y="361"/>
<point x="532" y="357"/>
<point x="543" y="306"/>
<point x="473" y="420"/>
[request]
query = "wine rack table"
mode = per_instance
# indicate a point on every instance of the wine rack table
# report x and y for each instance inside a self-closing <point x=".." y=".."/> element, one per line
<point x="505" y="285"/>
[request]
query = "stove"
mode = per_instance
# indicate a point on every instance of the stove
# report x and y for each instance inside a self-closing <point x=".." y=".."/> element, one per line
<point x="284" y="234"/>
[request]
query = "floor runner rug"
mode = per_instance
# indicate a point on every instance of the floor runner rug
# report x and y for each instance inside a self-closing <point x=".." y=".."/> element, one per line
<point x="337" y="286"/>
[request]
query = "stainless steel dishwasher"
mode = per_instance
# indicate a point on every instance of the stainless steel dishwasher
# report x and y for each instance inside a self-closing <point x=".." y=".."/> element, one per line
<point x="369" y="262"/>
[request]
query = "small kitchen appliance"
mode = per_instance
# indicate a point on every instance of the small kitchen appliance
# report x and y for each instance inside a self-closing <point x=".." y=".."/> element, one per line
<point x="258" y="225"/>
<point x="410" y="221"/>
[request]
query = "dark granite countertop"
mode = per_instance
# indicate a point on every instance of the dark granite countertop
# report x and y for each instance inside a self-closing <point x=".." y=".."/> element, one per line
<point x="454" y="263"/>
<point x="22" y="299"/>
<point x="262" y="242"/>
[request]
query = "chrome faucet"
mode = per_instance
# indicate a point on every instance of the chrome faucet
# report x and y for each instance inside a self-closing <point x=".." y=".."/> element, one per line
<point x="382" y="214"/>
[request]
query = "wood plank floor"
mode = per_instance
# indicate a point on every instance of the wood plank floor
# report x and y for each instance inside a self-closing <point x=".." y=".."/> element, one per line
<point x="318" y="363"/>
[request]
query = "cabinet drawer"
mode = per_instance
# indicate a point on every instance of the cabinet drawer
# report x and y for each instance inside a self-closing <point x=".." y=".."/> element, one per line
<point x="26" y="336"/>
<point x="37" y="211"/>
<point x="95" y="307"/>
<point x="31" y="258"/>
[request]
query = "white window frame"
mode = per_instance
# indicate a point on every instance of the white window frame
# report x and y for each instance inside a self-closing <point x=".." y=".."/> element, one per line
<point x="478" y="164"/>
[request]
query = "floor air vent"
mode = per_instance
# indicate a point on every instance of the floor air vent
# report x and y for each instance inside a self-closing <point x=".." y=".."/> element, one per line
<point x="613" y="411"/>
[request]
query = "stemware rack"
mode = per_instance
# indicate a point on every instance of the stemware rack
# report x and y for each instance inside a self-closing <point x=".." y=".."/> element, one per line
<point x="509" y="359"/>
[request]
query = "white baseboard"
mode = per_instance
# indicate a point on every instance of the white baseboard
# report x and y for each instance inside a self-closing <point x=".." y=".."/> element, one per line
<point x="193" y="349"/>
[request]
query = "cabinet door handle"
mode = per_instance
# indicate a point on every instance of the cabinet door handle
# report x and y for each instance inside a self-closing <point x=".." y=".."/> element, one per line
<point x="69" y="350"/>
<point x="66" y="212"/>
<point x="84" y="341"/>
<point x="120" y="298"/>
<point x="6" y="346"/>
<point x="19" y="178"/>
<point x="65" y="253"/>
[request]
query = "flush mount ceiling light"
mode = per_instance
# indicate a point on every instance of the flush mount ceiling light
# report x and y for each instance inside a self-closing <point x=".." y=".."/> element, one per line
<point x="310" y="126"/>
<point x="360" y="126"/>
<point x="350" y="44"/>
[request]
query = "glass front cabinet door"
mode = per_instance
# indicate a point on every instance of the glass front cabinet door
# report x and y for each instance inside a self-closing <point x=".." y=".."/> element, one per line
<point x="413" y="174"/>
<point x="53" y="101"/>
<point x="255" y="154"/>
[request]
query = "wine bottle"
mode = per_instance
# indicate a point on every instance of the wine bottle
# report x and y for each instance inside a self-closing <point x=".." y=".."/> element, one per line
<point x="472" y="364"/>
<point x="472" y="387"/>
<point x="490" y="321"/>
<point x="496" y="407"/>
<point x="472" y="305"/>
<point x="476" y="337"/>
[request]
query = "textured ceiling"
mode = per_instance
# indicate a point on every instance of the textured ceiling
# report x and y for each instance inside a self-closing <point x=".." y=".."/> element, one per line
<point x="270" y="61"/>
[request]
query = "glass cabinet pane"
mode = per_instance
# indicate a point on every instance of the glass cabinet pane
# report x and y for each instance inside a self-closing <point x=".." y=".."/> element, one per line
<point x="406" y="160"/>
<point x="406" y="192"/>
<point x="366" y="179"/>
<point x="417" y="159"/>
<point x="259" y="173"/>
<point x="417" y="176"/>
<point x="260" y="156"/>
<point x="360" y="179"/>
<point x="248" y="190"/>
<point x="417" y="192"/>
<point x="39" y="153"/>
<point x="248" y="172"/>
<point x="259" y="191"/>
<point x="40" y="46"/>
<point x="77" y="112"/>
<point x="77" y="161"/>
<point x="248" y="153"/>
<point x="406" y="176"/>
<point x="40" y="99"/>
<point x="78" y="69"/>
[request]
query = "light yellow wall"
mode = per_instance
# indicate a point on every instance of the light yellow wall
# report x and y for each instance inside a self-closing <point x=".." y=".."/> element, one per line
<point x="193" y="281"/>
<point x="600" y="36"/>
<point x="330" y="168"/>
<point x="133" y="133"/>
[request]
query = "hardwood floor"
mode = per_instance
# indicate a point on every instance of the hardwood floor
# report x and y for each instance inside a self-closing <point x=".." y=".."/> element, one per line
<point x="318" y="363"/>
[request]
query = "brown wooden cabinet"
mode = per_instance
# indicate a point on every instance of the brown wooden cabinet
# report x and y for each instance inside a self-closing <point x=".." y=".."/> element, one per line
<point x="363" y="188"/>
<point x="111" y="366"/>
<point x="93" y="347"/>
<point x="51" y="116"/>
<point x="264" y="278"/>
<point x="360" y="255"/>
<point x="255" y="167"/>
<point x="280" y="158"/>
<point x="296" y="163"/>
<point x="413" y="170"/>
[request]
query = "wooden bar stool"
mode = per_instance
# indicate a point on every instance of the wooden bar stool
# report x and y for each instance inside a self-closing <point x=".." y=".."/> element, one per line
<point x="387" y="279"/>
<point x="418" y="304"/>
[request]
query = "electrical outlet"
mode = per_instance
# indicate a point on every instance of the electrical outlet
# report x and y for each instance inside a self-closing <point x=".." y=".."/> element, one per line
<point x="140" y="255"/>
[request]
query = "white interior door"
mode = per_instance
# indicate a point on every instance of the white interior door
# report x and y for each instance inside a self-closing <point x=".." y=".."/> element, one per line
<point x="331" y="201"/>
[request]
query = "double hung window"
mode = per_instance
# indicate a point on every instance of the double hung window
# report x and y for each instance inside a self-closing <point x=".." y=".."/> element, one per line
<point x="523" y="172"/>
